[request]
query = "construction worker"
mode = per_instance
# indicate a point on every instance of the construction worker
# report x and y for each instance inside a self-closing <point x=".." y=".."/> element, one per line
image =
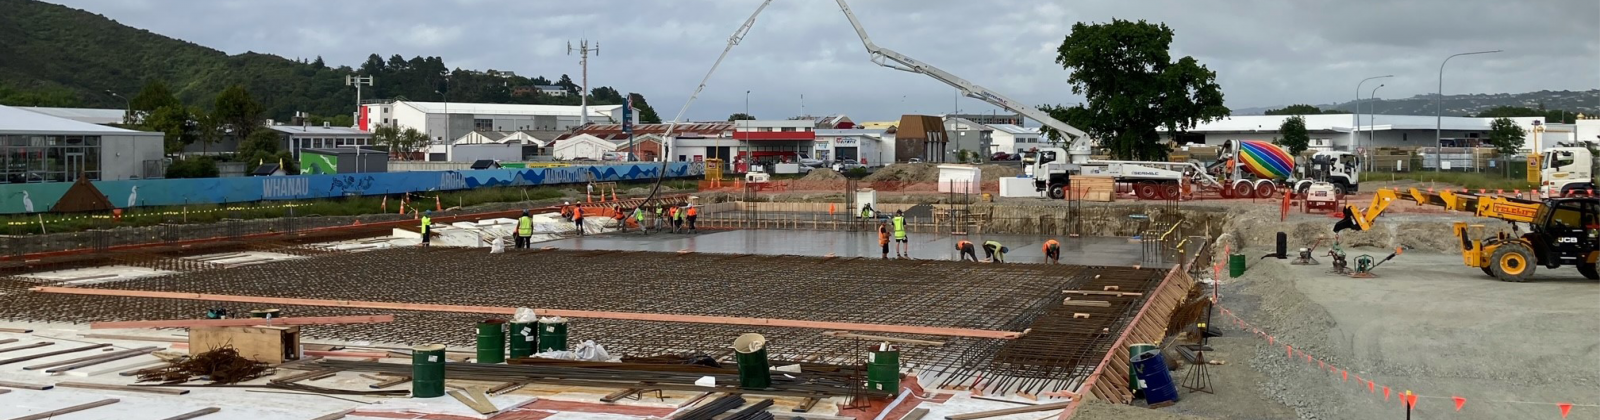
<point x="995" y="252"/>
<point x="620" y="217"/>
<point x="577" y="219"/>
<point x="692" y="212"/>
<point x="661" y="216"/>
<point x="967" y="250"/>
<point x="866" y="211"/>
<point x="1052" y="252"/>
<point x="680" y="215"/>
<point x="883" y="238"/>
<point x="524" y="230"/>
<point x="566" y="210"/>
<point x="427" y="226"/>
<point x="902" y="246"/>
<point x="638" y="216"/>
<point x="672" y="217"/>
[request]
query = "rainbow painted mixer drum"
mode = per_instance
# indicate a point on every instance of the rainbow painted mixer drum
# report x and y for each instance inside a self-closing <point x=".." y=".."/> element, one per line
<point x="1265" y="160"/>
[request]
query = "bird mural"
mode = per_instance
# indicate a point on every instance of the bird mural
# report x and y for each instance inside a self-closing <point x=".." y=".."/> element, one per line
<point x="27" y="202"/>
<point x="133" y="197"/>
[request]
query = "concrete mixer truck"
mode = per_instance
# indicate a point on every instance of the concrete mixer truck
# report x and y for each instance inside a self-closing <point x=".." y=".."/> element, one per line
<point x="1259" y="169"/>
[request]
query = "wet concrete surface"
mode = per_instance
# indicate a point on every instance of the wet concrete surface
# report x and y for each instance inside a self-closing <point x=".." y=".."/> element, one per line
<point x="1102" y="251"/>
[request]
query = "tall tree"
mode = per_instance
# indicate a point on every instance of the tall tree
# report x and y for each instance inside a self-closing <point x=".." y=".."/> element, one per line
<point x="411" y="140"/>
<point x="740" y="116"/>
<point x="234" y="107"/>
<point x="388" y="135"/>
<point x="647" y="115"/>
<point x="1506" y="136"/>
<point x="1125" y="71"/>
<point x="153" y="96"/>
<point x="1293" y="135"/>
<point x="1552" y="115"/>
<point x="208" y="129"/>
<point x="566" y="82"/>
<point x="175" y="122"/>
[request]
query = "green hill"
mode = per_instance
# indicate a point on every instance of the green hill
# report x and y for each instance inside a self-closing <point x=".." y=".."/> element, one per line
<point x="53" y="55"/>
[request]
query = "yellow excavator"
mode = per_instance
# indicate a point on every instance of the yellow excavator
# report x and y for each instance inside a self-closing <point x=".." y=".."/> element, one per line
<point x="1561" y="231"/>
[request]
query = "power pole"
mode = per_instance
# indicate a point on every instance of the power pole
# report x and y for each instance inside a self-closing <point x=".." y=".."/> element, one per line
<point x="583" y="52"/>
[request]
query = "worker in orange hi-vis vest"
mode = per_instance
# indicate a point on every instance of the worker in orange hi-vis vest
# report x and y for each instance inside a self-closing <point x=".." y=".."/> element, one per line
<point x="577" y="219"/>
<point x="967" y="250"/>
<point x="672" y="217"/>
<point x="883" y="238"/>
<point x="1052" y="252"/>
<point x="692" y="213"/>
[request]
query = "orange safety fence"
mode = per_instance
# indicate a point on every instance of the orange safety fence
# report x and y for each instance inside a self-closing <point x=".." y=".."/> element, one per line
<point x="839" y="185"/>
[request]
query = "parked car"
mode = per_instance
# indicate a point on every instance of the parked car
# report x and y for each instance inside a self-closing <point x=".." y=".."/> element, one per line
<point x="1000" y="156"/>
<point x="914" y="160"/>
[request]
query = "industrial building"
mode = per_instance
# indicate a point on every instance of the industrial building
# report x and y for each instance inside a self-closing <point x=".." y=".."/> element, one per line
<point x="1012" y="138"/>
<point x="342" y="160"/>
<point x="1340" y="131"/>
<point x="865" y="146"/>
<point x="37" y="147"/>
<point x="446" y="121"/>
<point x="967" y="135"/>
<point x="88" y="115"/>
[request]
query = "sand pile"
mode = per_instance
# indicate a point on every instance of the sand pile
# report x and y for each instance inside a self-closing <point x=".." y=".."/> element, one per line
<point x="993" y="172"/>
<point x="906" y="172"/>
<point x="823" y="174"/>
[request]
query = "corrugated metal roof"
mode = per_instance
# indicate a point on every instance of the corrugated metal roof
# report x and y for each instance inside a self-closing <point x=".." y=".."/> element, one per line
<point x="1014" y="129"/>
<point x="317" y="130"/>
<point x="511" y="109"/>
<point x="1342" y="123"/>
<point x="88" y="115"/>
<point x="15" y="120"/>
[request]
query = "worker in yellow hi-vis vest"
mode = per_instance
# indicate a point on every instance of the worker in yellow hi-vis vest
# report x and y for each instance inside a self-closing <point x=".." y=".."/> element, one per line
<point x="427" y="226"/>
<point x="524" y="230"/>
<point x="902" y="245"/>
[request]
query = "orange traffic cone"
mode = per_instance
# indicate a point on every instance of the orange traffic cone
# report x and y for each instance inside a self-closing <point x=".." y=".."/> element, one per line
<point x="385" y="204"/>
<point x="614" y="195"/>
<point x="831" y="209"/>
<point x="403" y="204"/>
<point x="436" y="205"/>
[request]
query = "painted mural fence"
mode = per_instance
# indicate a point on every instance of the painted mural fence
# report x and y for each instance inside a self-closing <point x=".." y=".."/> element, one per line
<point x="37" y="198"/>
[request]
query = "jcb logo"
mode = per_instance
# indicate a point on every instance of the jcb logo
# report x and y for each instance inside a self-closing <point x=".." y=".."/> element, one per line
<point x="1567" y="240"/>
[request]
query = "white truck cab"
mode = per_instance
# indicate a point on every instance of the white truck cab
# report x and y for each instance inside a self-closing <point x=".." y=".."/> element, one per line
<point x="1566" y="169"/>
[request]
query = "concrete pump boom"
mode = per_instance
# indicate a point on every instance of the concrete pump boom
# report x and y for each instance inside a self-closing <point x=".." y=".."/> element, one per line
<point x="1079" y="150"/>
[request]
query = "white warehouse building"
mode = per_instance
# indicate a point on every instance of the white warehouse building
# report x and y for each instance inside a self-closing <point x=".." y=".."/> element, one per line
<point x="446" y="121"/>
<point x="1340" y="132"/>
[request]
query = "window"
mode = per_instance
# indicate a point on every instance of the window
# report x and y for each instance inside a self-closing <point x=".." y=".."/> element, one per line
<point x="480" y="124"/>
<point x="1405" y="136"/>
<point x="25" y="159"/>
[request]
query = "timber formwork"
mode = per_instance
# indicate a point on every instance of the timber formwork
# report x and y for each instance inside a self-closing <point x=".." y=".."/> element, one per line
<point x="1063" y="346"/>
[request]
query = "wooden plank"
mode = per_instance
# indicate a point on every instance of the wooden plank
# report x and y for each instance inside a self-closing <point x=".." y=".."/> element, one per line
<point x="71" y="361"/>
<point x="135" y="371"/>
<point x="847" y="334"/>
<point x="808" y="403"/>
<point x="1010" y="411"/>
<point x="244" y="322"/>
<point x="306" y="376"/>
<point x="135" y="338"/>
<point x="110" y="387"/>
<point x="1103" y="293"/>
<point x="335" y="415"/>
<point x="17" y="330"/>
<point x="915" y="414"/>
<point x="390" y="382"/>
<point x="27" y="346"/>
<point x="104" y="358"/>
<point x="52" y="353"/>
<point x="1091" y="303"/>
<point x="471" y="403"/>
<point x="118" y="368"/>
<point x="72" y="409"/>
<point x="194" y="414"/>
<point x="261" y="344"/>
<point x="637" y="316"/>
<point x="20" y="385"/>
<point x="8" y="341"/>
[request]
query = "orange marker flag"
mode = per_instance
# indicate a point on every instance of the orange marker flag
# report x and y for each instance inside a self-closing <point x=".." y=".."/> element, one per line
<point x="1385" y="393"/>
<point x="1290" y="350"/>
<point x="1321" y="365"/>
<point x="1371" y="387"/>
<point x="1565" y="408"/>
<point x="1270" y="340"/>
<point x="1308" y="357"/>
<point x="1410" y="400"/>
<point x="1346" y="374"/>
<point x="1459" y="402"/>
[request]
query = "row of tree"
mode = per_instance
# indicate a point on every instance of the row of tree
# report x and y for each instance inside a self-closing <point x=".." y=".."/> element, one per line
<point x="1505" y="136"/>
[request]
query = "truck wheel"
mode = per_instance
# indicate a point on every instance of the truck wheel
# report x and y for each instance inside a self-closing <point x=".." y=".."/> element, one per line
<point x="1487" y="271"/>
<point x="1057" y="192"/>
<point x="1590" y="271"/>
<point x="1146" y="190"/>
<point x="1513" y="262"/>
<point x="1244" y="190"/>
<point x="1265" y="189"/>
<point x="1171" y="192"/>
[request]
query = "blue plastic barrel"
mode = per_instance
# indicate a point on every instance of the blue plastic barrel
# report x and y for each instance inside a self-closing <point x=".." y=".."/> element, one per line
<point x="1151" y="369"/>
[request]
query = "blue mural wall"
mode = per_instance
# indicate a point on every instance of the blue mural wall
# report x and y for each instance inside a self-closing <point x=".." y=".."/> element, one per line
<point x="31" y="198"/>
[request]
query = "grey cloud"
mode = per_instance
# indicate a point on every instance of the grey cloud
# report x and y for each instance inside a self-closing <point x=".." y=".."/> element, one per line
<point x="1265" y="52"/>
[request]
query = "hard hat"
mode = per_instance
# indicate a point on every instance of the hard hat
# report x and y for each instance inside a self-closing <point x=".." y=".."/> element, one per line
<point x="427" y="212"/>
<point x="566" y="203"/>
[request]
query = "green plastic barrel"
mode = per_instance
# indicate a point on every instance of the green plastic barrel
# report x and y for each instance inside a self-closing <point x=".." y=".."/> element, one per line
<point x="492" y="341"/>
<point x="1134" y="350"/>
<point x="883" y="371"/>
<point x="552" y="334"/>
<point x="1236" y="265"/>
<point x="523" y="339"/>
<point x="427" y="371"/>
<point x="750" y="350"/>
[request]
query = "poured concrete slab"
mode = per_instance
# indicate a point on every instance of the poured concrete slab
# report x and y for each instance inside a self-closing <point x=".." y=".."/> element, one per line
<point x="238" y="259"/>
<point x="1102" y="251"/>
<point x="93" y="275"/>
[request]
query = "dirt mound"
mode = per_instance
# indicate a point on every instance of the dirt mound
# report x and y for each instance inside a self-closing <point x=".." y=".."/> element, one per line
<point x="823" y="174"/>
<point x="993" y="172"/>
<point x="906" y="172"/>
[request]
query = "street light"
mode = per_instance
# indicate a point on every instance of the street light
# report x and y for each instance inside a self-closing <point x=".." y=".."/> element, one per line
<point x="1355" y="118"/>
<point x="747" y="103"/>
<point x="1372" y="120"/>
<point x="1438" y="109"/>
<point x="127" y="113"/>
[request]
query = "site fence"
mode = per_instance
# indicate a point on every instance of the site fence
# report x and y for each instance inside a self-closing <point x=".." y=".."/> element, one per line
<point x="839" y="185"/>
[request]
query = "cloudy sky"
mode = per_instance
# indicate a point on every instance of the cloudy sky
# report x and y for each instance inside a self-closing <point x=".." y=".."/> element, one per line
<point x="1265" y="52"/>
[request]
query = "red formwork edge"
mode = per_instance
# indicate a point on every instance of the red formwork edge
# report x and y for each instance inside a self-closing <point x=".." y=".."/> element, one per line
<point x="1087" y="388"/>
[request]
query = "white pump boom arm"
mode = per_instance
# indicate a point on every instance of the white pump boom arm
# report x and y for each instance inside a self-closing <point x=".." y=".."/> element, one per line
<point x="894" y="60"/>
